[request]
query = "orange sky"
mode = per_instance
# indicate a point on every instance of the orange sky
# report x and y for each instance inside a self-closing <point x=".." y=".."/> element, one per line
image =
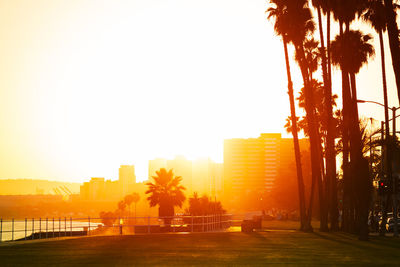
<point x="87" y="85"/>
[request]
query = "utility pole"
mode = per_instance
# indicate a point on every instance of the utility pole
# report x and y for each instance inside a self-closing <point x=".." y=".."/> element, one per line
<point x="394" y="179"/>
<point x="384" y="196"/>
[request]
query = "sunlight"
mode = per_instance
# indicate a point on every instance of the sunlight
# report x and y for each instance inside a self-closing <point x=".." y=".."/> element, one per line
<point x="100" y="94"/>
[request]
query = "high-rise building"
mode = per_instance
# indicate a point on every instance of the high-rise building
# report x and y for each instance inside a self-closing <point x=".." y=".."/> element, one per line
<point x="252" y="165"/>
<point x="207" y="177"/>
<point x="182" y="167"/>
<point x="202" y="176"/>
<point x="93" y="190"/>
<point x="126" y="177"/>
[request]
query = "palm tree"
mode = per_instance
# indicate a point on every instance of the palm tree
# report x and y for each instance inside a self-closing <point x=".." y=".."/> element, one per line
<point x="375" y="15"/>
<point x="166" y="192"/>
<point x="351" y="50"/>
<point x="121" y="207"/>
<point x="128" y="201"/>
<point x="135" y="199"/>
<point x="278" y="12"/>
<point x="325" y="6"/>
<point x="301" y="17"/>
<point x="393" y="33"/>
<point x="132" y="198"/>
<point x="297" y="24"/>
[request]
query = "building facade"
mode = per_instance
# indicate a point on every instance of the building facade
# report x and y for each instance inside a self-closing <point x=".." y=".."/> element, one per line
<point x="251" y="166"/>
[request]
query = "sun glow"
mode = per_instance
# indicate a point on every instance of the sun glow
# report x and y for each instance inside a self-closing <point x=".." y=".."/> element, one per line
<point x="93" y="86"/>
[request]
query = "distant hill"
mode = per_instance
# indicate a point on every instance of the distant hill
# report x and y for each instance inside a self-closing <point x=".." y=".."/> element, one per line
<point x="33" y="187"/>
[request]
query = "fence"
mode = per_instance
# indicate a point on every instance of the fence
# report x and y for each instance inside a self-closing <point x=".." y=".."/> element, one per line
<point x="29" y="229"/>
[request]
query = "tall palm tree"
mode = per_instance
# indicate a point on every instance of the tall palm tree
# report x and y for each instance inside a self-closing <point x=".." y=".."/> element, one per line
<point x="166" y="192"/>
<point x="121" y="207"/>
<point x="375" y="15"/>
<point x="351" y="50"/>
<point x="135" y="199"/>
<point x="296" y="23"/>
<point x="278" y="12"/>
<point x="299" y="26"/>
<point x="345" y="11"/>
<point x="393" y="33"/>
<point x="325" y="6"/>
<point x="128" y="201"/>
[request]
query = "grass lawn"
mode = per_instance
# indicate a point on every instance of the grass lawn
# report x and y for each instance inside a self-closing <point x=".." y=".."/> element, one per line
<point x="217" y="249"/>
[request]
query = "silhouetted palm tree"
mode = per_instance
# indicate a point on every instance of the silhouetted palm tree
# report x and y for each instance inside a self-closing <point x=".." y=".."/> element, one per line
<point x="131" y="198"/>
<point x="166" y="192"/>
<point x="278" y="13"/>
<point x="325" y="6"/>
<point x="351" y="50"/>
<point x="376" y="16"/>
<point x="393" y="33"/>
<point x="121" y="207"/>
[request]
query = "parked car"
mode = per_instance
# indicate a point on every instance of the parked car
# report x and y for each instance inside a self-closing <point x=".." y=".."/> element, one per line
<point x="390" y="224"/>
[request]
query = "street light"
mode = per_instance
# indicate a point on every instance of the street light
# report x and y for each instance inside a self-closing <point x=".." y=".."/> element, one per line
<point x="388" y="159"/>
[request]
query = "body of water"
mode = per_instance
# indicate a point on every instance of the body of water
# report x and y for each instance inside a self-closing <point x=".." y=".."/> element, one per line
<point x="18" y="229"/>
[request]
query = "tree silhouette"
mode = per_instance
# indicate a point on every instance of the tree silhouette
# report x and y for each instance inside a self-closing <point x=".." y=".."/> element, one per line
<point x="121" y="207"/>
<point x="393" y="33"/>
<point x="166" y="192"/>
<point x="351" y="50"/>
<point x="279" y="12"/>
<point x="204" y="206"/>
<point x="325" y="6"/>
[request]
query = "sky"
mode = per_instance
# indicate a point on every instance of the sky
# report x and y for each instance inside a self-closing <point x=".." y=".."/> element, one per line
<point x="88" y="85"/>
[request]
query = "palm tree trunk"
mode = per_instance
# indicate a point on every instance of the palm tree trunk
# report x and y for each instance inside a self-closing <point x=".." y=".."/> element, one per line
<point x="360" y="171"/>
<point x="300" y="180"/>
<point x="393" y="33"/>
<point x="346" y="216"/>
<point x="330" y="148"/>
<point x="385" y="99"/>
<point x="311" y="122"/>
<point x="385" y="96"/>
<point x="330" y="173"/>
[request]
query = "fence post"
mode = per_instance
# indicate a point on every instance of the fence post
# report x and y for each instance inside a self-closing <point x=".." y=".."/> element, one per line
<point x="12" y="231"/>
<point x="47" y="227"/>
<point x="89" y="225"/>
<point x="53" y="226"/>
<point x="65" y="226"/>
<point x="33" y="228"/>
<point x="70" y="226"/>
<point x="203" y="222"/>
<point x="40" y="227"/>
<point x="25" y="228"/>
<point x="170" y="224"/>
<point x="148" y="224"/>
<point x="192" y="223"/>
<point x="1" y="229"/>
<point x="215" y="222"/>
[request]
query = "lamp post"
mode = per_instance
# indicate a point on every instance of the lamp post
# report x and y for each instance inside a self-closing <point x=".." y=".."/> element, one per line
<point x="388" y="164"/>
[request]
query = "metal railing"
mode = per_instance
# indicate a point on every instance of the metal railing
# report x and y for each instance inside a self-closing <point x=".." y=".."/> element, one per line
<point x="30" y="229"/>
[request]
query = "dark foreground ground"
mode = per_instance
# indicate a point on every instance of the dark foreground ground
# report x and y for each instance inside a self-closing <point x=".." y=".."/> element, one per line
<point x="216" y="249"/>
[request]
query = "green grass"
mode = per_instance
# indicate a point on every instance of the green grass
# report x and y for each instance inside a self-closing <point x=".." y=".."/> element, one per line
<point x="217" y="249"/>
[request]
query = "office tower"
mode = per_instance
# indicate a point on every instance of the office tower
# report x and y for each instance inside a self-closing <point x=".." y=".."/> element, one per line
<point x="126" y="178"/>
<point x="93" y="190"/>
<point x="251" y="166"/>
<point x="182" y="167"/>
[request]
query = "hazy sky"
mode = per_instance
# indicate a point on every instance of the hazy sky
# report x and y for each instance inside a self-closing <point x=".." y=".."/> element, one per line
<point x="87" y="85"/>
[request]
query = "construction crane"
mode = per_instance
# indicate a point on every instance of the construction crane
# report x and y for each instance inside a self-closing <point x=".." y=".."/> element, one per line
<point x="57" y="191"/>
<point x="69" y="191"/>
